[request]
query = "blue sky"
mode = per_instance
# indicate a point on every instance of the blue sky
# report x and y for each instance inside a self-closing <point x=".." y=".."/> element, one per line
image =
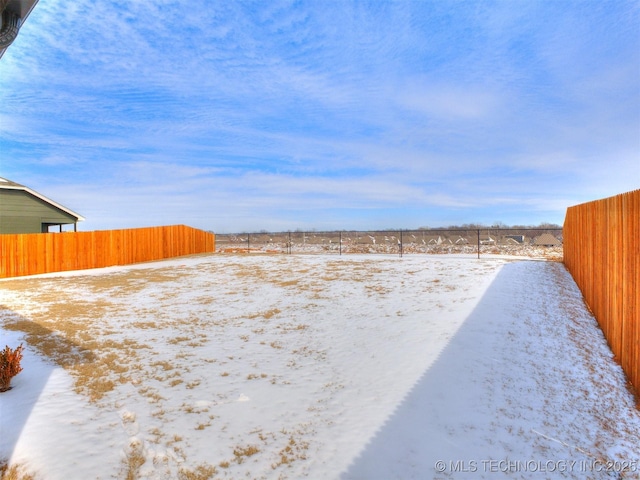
<point x="245" y="116"/>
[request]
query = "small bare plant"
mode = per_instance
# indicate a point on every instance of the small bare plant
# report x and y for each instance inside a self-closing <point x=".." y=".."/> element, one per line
<point x="134" y="459"/>
<point x="9" y="366"/>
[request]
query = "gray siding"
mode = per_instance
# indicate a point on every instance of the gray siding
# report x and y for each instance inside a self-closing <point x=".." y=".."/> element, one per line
<point x="21" y="212"/>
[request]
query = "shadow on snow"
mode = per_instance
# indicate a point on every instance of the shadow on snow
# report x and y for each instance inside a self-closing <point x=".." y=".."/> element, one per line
<point x="480" y="402"/>
<point x="17" y="404"/>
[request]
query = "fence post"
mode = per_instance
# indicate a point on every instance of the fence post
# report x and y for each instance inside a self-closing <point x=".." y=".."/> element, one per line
<point x="248" y="245"/>
<point x="400" y="243"/>
<point x="340" y="243"/>
<point x="478" y="243"/>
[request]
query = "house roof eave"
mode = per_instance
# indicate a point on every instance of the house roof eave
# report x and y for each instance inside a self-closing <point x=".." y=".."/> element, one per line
<point x="19" y="9"/>
<point x="9" y="185"/>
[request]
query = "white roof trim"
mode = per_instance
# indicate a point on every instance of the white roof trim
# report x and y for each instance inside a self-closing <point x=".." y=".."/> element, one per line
<point x="15" y="186"/>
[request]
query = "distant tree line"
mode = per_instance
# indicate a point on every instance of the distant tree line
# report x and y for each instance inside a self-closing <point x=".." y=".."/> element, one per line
<point x="475" y="226"/>
<point x="542" y="227"/>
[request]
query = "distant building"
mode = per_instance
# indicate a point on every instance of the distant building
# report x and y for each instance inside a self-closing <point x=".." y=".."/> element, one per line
<point x="13" y="13"/>
<point x="515" y="238"/>
<point x="487" y="240"/>
<point x="23" y="210"/>
<point x="547" y="240"/>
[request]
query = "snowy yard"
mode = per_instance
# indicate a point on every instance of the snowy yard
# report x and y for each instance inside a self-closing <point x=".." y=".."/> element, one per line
<point x="313" y="366"/>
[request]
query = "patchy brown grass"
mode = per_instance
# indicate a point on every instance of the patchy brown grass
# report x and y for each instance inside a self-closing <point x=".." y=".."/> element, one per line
<point x="267" y="314"/>
<point x="240" y="453"/>
<point x="14" y="472"/>
<point x="292" y="451"/>
<point x="69" y="331"/>
<point x="52" y="343"/>
<point x="201" y="472"/>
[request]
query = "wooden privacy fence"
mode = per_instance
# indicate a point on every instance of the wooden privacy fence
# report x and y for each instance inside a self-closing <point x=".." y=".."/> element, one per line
<point x="30" y="254"/>
<point x="602" y="252"/>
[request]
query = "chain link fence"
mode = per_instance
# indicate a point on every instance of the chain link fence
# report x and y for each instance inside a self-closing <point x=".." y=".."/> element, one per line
<point x="539" y="242"/>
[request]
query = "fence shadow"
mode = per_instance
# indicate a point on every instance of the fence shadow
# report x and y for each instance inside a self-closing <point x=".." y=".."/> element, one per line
<point x="17" y="404"/>
<point x="462" y="408"/>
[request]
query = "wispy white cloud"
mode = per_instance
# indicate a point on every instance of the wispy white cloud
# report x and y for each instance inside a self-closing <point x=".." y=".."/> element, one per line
<point x="447" y="102"/>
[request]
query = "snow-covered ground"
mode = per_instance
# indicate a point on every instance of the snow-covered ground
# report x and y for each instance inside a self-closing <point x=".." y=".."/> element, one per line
<point x="313" y="366"/>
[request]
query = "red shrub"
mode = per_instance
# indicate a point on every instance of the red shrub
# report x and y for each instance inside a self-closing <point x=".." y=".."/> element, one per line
<point x="9" y="366"/>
